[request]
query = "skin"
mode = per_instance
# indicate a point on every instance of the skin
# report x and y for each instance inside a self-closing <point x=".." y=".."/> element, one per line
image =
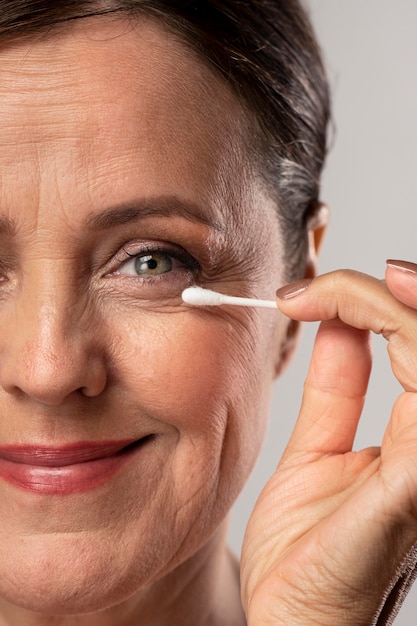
<point x="340" y="543"/>
<point x="91" y="351"/>
<point x="98" y="118"/>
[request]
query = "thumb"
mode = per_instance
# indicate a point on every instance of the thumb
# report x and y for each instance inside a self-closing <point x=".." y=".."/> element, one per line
<point x="334" y="393"/>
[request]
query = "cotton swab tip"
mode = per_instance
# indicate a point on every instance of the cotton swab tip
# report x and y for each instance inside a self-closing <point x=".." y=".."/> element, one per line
<point x="198" y="296"/>
<point x="201" y="297"/>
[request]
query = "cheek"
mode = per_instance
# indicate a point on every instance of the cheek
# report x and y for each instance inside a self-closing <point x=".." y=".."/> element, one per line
<point x="207" y="376"/>
<point x="185" y="365"/>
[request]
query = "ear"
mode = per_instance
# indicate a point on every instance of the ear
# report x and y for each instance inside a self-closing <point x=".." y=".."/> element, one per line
<point x="317" y="220"/>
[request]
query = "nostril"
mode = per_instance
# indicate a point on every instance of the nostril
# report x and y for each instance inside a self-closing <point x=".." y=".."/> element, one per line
<point x="50" y="378"/>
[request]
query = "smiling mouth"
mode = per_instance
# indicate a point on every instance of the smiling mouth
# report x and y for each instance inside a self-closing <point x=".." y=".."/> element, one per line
<point x="68" y="469"/>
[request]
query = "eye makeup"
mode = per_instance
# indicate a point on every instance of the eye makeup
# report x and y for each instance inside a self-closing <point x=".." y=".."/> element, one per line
<point x="155" y="261"/>
<point x="153" y="270"/>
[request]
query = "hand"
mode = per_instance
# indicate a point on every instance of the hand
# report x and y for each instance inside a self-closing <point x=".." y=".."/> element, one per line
<point x="331" y="538"/>
<point x="401" y="280"/>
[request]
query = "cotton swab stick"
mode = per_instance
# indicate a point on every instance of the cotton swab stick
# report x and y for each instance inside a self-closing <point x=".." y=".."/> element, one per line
<point x="198" y="296"/>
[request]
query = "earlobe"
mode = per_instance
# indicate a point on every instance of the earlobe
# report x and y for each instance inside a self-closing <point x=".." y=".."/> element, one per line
<point x="317" y="221"/>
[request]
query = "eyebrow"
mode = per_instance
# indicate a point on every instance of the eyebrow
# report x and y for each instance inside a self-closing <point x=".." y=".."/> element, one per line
<point x="166" y="206"/>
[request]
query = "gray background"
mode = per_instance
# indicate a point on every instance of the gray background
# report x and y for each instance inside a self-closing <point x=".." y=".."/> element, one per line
<point x="370" y="184"/>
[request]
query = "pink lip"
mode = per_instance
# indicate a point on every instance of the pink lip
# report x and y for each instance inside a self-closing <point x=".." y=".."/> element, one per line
<point x="67" y="469"/>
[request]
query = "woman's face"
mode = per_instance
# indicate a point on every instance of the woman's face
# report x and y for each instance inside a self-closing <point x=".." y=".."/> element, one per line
<point x="129" y="421"/>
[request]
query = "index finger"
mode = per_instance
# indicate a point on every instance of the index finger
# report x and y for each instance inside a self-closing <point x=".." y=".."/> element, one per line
<point x="365" y="303"/>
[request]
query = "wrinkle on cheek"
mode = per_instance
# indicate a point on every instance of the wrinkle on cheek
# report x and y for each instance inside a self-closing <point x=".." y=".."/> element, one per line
<point x="196" y="478"/>
<point x="179" y="358"/>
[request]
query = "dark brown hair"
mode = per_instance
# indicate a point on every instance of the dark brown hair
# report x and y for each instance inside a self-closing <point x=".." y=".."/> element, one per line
<point x="267" y="52"/>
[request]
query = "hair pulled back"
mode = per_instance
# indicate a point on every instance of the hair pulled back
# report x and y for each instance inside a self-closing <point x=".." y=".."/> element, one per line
<point x="267" y="52"/>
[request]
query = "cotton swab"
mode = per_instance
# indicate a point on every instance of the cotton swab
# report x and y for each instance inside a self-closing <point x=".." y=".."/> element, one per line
<point x="198" y="296"/>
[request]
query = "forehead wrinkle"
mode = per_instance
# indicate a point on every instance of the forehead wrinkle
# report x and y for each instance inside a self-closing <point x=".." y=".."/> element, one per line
<point x="119" y="56"/>
<point x="115" y="135"/>
<point x="58" y="59"/>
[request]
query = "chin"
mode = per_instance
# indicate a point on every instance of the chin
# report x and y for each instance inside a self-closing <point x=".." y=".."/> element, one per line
<point x="71" y="579"/>
<point x="73" y="575"/>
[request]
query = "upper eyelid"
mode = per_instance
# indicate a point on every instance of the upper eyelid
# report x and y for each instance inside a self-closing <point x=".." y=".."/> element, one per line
<point x="135" y="247"/>
<point x="138" y="249"/>
<point x="146" y="249"/>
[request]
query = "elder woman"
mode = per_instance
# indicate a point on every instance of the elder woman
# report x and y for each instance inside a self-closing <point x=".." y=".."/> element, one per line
<point x="147" y="146"/>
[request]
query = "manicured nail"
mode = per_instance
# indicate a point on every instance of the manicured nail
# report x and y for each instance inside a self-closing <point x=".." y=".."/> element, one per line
<point x="293" y="289"/>
<point x="404" y="266"/>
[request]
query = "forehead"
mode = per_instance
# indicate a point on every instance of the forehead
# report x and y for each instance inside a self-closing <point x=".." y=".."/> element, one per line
<point x="111" y="64"/>
<point x="105" y="100"/>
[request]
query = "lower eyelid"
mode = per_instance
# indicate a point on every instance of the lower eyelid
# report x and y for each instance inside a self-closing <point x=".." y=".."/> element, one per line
<point x="152" y="288"/>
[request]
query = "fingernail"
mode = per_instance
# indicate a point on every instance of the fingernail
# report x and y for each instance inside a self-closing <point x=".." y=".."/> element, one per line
<point x="293" y="289"/>
<point x="405" y="266"/>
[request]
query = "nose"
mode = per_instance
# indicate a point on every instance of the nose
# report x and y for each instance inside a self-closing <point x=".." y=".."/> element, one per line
<point x="50" y="349"/>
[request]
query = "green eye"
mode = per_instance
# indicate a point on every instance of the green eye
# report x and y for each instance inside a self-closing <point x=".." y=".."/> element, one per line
<point x="152" y="264"/>
<point x="149" y="265"/>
